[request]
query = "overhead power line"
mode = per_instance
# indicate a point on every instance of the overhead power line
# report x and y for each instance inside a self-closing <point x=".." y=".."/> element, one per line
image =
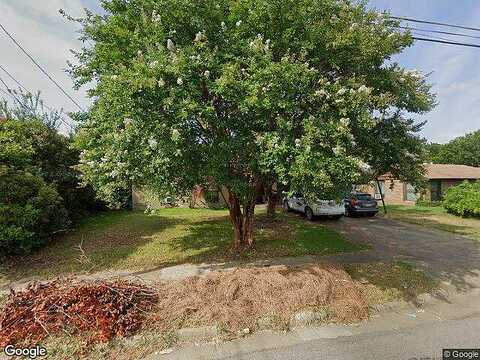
<point x="13" y="78"/>
<point x="437" y="32"/>
<point x="433" y="37"/>
<point x="435" y="23"/>
<point x="10" y="93"/>
<point x="40" y="67"/>
<point x="446" y="42"/>
<point x="7" y="93"/>
<point x="21" y="85"/>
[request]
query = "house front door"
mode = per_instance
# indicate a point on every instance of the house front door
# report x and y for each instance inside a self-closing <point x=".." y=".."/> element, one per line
<point x="436" y="190"/>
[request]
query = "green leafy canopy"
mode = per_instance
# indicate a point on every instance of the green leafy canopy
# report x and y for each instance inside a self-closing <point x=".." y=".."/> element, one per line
<point x="239" y="92"/>
<point x="463" y="150"/>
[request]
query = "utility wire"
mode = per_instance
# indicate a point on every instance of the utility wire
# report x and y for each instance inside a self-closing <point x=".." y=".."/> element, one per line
<point x="28" y="91"/>
<point x="8" y="89"/>
<point x="13" y="78"/>
<point x="7" y="93"/>
<point x="433" y="37"/>
<point x="446" y="42"/>
<point x="434" y="23"/>
<point x="40" y="67"/>
<point x="437" y="32"/>
<point x="12" y="95"/>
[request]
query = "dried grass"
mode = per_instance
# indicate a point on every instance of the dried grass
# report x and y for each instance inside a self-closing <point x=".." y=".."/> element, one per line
<point x="236" y="299"/>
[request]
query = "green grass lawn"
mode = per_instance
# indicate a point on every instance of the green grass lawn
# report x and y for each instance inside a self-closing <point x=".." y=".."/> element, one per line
<point x="383" y="282"/>
<point x="126" y="240"/>
<point x="435" y="217"/>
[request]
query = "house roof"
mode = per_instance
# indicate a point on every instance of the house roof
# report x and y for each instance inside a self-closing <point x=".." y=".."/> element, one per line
<point x="445" y="171"/>
<point x="449" y="171"/>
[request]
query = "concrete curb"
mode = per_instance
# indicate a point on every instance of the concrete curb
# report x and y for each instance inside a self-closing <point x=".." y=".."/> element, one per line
<point x="198" y="333"/>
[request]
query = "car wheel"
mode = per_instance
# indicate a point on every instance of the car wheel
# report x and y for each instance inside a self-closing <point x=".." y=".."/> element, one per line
<point x="371" y="214"/>
<point x="286" y="206"/>
<point x="338" y="217"/>
<point x="309" y="214"/>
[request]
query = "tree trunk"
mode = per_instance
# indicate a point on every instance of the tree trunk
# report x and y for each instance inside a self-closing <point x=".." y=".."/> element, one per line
<point x="236" y="218"/>
<point x="248" y="214"/>
<point x="271" y="200"/>
<point x="243" y="223"/>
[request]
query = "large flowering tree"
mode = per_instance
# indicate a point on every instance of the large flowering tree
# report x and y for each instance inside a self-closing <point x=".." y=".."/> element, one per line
<point x="246" y="93"/>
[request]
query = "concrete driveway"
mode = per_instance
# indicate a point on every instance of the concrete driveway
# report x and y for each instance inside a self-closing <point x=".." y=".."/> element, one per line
<point x="453" y="258"/>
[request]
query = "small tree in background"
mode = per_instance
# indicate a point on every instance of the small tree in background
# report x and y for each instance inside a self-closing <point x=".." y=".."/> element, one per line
<point x="30" y="106"/>
<point x="299" y="92"/>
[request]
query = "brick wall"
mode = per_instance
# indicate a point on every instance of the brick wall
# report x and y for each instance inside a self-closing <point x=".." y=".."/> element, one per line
<point x="393" y="192"/>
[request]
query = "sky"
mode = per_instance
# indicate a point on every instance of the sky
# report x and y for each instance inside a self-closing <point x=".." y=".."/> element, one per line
<point x="39" y="27"/>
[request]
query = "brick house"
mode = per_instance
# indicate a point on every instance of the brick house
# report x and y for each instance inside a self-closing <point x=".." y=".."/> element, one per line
<point x="200" y="198"/>
<point x="439" y="176"/>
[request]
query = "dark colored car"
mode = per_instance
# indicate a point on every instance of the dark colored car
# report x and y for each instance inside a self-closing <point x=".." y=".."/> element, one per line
<point x="360" y="203"/>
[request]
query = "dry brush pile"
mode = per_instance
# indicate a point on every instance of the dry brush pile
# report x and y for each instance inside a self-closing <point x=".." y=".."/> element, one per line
<point x="102" y="310"/>
<point x="237" y="299"/>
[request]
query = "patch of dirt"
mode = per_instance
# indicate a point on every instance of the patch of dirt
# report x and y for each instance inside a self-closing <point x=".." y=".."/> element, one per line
<point x="270" y="229"/>
<point x="100" y="310"/>
<point x="236" y="299"/>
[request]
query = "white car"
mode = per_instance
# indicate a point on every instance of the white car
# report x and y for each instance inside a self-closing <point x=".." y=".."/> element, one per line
<point x="329" y="208"/>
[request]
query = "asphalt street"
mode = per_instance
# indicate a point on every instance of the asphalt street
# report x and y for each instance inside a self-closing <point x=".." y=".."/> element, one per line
<point x="396" y="336"/>
<point x="421" y="342"/>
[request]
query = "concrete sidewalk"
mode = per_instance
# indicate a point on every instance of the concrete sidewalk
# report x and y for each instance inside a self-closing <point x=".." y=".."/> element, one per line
<point x="183" y="271"/>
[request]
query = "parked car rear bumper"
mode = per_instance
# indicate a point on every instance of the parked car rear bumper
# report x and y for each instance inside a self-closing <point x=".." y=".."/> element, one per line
<point x="364" y="210"/>
<point x="329" y="211"/>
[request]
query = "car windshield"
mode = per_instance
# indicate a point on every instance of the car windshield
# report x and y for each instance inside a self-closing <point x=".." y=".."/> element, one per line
<point x="363" y="197"/>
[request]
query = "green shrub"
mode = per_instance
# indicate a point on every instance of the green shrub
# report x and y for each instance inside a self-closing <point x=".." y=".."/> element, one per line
<point x="30" y="211"/>
<point x="32" y="146"/>
<point x="463" y="199"/>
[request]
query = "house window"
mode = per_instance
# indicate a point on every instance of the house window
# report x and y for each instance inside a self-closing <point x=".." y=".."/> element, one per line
<point x="410" y="193"/>
<point x="379" y="189"/>
<point x="436" y="190"/>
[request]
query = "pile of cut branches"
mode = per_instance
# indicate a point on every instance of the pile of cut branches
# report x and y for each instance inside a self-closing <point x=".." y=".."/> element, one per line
<point x="100" y="309"/>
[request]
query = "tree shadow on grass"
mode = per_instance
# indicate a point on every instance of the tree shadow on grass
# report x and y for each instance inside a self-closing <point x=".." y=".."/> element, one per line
<point x="393" y="278"/>
<point x="464" y="230"/>
<point x="98" y="244"/>
<point x="278" y="237"/>
<point x="206" y="240"/>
